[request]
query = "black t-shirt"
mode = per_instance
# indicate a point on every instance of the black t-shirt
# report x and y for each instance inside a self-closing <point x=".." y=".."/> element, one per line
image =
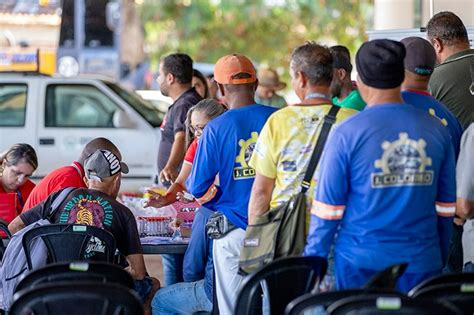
<point x="174" y="122"/>
<point x="92" y="207"/>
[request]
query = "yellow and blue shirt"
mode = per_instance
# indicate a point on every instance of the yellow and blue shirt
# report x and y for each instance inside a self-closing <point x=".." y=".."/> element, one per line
<point x="286" y="144"/>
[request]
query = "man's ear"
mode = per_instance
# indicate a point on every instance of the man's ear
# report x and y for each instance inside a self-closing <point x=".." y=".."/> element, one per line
<point x="170" y="79"/>
<point x="86" y="181"/>
<point x="221" y="89"/>
<point x="437" y="45"/>
<point x="341" y="74"/>
<point x="302" y="79"/>
<point x="255" y="85"/>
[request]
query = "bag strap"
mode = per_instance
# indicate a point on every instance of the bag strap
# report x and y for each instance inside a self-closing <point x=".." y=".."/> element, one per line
<point x="329" y="120"/>
<point x="58" y="200"/>
<point x="471" y="87"/>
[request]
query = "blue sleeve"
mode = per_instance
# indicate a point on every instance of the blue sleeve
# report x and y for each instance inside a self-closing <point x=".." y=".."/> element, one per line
<point x="446" y="200"/>
<point x="195" y="259"/>
<point x="205" y="165"/>
<point x="330" y="197"/>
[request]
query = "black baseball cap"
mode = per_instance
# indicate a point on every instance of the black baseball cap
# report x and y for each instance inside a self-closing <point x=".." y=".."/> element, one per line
<point x="421" y="56"/>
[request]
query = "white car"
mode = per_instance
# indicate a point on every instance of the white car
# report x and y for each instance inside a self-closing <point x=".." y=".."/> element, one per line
<point x="58" y="116"/>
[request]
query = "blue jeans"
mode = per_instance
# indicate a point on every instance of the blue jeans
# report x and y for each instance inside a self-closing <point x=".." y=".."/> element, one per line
<point x="181" y="298"/>
<point x="172" y="268"/>
<point x="352" y="277"/>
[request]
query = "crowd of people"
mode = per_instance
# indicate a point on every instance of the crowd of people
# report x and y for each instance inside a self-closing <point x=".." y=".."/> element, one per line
<point x="395" y="183"/>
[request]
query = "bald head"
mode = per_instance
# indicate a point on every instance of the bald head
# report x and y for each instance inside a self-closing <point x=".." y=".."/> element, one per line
<point x="98" y="144"/>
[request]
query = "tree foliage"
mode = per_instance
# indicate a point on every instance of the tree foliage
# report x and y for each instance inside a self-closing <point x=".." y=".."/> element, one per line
<point x="265" y="30"/>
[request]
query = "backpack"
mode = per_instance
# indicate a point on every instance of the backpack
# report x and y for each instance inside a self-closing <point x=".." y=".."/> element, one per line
<point x="14" y="263"/>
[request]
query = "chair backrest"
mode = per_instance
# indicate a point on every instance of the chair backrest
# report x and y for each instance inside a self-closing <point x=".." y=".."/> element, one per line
<point x="71" y="242"/>
<point x="77" y="299"/>
<point x="285" y="278"/>
<point x="312" y="301"/>
<point x="455" y="278"/>
<point x="93" y="271"/>
<point x="387" y="278"/>
<point x="460" y="295"/>
<point x="392" y="304"/>
<point x="5" y="235"/>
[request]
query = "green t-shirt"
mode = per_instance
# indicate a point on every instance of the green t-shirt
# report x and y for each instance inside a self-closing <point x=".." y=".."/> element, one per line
<point x="352" y="101"/>
<point x="450" y="83"/>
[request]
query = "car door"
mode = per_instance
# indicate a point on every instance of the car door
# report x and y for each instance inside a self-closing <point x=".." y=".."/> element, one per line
<point x="78" y="112"/>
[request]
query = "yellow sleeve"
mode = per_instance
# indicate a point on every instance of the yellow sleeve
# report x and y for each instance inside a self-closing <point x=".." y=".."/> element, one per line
<point x="263" y="158"/>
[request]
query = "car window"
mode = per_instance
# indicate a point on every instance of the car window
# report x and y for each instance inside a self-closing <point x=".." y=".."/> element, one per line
<point x="78" y="106"/>
<point x="12" y="105"/>
<point x="145" y="109"/>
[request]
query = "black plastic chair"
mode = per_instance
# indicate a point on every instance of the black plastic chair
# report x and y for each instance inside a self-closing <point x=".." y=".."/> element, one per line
<point x="286" y="279"/>
<point x="383" y="282"/>
<point x="389" y="304"/>
<point x="387" y="278"/>
<point x="460" y="295"/>
<point x="4" y="229"/>
<point x="71" y="242"/>
<point x="77" y="299"/>
<point x="311" y="301"/>
<point x="454" y="278"/>
<point x="73" y="272"/>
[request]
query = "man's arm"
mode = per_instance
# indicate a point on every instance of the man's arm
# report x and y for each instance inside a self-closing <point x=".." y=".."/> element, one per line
<point x="260" y="197"/>
<point x="205" y="167"/>
<point x="264" y="160"/>
<point x="465" y="208"/>
<point x="136" y="267"/>
<point x="465" y="176"/>
<point x="170" y="172"/>
<point x="330" y="196"/>
<point x="446" y="198"/>
<point x="31" y="215"/>
<point x="16" y="225"/>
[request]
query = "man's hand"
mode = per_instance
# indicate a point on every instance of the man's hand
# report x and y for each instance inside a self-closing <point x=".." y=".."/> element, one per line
<point x="155" y="200"/>
<point x="168" y="174"/>
<point x="184" y="197"/>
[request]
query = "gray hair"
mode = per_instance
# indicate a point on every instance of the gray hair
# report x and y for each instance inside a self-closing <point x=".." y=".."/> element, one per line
<point x="315" y="61"/>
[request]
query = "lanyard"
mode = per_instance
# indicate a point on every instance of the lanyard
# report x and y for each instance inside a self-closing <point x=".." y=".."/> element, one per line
<point x="20" y="198"/>
<point x="316" y="95"/>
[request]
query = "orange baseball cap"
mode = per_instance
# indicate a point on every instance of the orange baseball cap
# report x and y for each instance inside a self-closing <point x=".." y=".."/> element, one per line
<point x="229" y="66"/>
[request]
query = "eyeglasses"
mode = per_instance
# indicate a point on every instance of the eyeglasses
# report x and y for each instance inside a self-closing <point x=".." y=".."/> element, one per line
<point x="197" y="130"/>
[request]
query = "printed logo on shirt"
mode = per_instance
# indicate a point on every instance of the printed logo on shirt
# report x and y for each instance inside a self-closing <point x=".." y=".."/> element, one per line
<point x="433" y="113"/>
<point x="246" y="149"/>
<point x="88" y="211"/>
<point x="403" y="163"/>
<point x="289" y="166"/>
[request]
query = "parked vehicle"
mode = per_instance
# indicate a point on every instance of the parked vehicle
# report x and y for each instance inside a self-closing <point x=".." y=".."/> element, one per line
<point x="57" y="116"/>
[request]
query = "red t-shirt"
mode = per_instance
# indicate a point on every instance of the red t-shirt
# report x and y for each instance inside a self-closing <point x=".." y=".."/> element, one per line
<point x="18" y="197"/>
<point x="66" y="176"/>
<point x="191" y="152"/>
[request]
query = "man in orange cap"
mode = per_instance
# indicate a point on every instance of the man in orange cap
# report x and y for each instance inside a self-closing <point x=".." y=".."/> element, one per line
<point x="268" y="84"/>
<point x="225" y="148"/>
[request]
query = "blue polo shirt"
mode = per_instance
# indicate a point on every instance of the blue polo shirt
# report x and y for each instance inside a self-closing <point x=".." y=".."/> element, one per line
<point x="225" y="148"/>
<point x="387" y="181"/>
<point x="424" y="101"/>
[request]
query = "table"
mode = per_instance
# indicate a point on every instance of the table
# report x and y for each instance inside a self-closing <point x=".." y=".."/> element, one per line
<point x="163" y="245"/>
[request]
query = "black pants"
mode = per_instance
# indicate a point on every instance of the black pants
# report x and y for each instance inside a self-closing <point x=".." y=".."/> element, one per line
<point x="454" y="262"/>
